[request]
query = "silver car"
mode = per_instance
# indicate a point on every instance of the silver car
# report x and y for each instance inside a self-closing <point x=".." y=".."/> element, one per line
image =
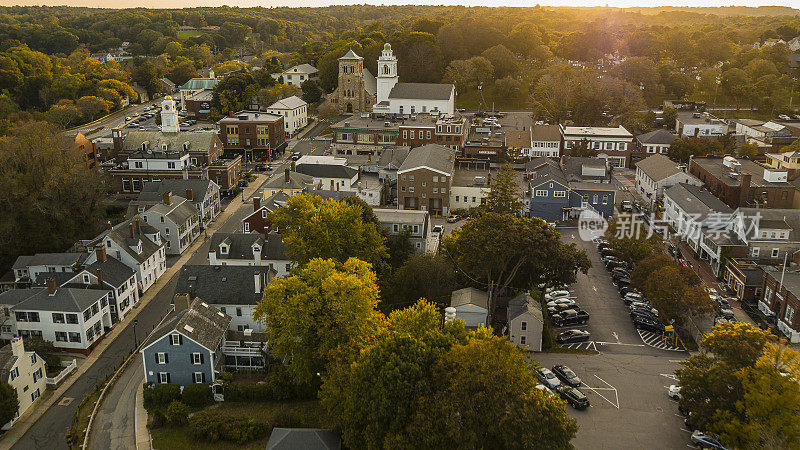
<point x="548" y="378"/>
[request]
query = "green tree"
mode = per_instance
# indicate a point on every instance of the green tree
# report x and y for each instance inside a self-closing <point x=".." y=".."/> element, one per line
<point x="374" y="400"/>
<point x="51" y="198"/>
<point x="504" y="195"/>
<point x="314" y="227"/>
<point x="629" y="239"/>
<point x="504" y="62"/>
<point x="793" y="147"/>
<point x="485" y="397"/>
<point x="328" y="113"/>
<point x="682" y="149"/>
<point x="748" y="150"/>
<point x="399" y="247"/>
<point x="320" y="314"/>
<point x="177" y="414"/>
<point x="421" y="276"/>
<point x="462" y="74"/>
<point x="311" y="91"/>
<point x="736" y="84"/>
<point x="91" y="106"/>
<point x="670" y="115"/>
<point x="674" y="297"/>
<point x="234" y="92"/>
<point x="508" y="87"/>
<point x="182" y="73"/>
<point x="502" y="251"/>
<point x="9" y="403"/>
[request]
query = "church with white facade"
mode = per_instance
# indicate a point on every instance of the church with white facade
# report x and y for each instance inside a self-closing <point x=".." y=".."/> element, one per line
<point x="359" y="91"/>
<point x="395" y="97"/>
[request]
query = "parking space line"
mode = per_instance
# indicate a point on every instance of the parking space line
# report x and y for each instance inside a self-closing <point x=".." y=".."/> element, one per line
<point x="619" y="343"/>
<point x="610" y="388"/>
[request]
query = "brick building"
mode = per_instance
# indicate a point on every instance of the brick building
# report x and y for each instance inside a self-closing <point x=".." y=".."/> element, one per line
<point x="257" y="136"/>
<point x="86" y="148"/>
<point x="369" y="133"/>
<point x="424" y="179"/>
<point x="780" y="291"/>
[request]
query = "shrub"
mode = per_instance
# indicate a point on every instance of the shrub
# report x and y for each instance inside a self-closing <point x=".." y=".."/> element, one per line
<point x="159" y="395"/>
<point x="159" y="420"/>
<point x="212" y="426"/>
<point x="277" y="386"/>
<point x="198" y="394"/>
<point x="177" y="414"/>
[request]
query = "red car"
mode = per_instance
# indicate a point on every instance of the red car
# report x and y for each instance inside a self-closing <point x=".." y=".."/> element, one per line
<point x="685" y="263"/>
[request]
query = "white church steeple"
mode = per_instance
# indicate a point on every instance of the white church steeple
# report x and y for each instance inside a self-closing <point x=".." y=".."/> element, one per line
<point x="387" y="73"/>
<point x="169" y="116"/>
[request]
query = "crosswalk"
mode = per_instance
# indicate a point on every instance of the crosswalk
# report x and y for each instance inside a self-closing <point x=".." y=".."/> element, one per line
<point x="655" y="340"/>
<point x="590" y="345"/>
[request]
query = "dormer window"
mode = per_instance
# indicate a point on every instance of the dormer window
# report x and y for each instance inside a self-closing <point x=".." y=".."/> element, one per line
<point x="223" y="249"/>
<point x="185" y="146"/>
<point x="164" y="146"/>
<point x="256" y="248"/>
<point x="85" y="279"/>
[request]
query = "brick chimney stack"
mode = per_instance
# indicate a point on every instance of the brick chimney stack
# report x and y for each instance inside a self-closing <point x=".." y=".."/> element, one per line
<point x="286" y="175"/>
<point x="294" y="167"/>
<point x="139" y="225"/>
<point x="167" y="198"/>
<point x="100" y="251"/>
<point x="133" y="234"/>
<point x="100" y="277"/>
<point x="256" y="203"/>
<point x="51" y="286"/>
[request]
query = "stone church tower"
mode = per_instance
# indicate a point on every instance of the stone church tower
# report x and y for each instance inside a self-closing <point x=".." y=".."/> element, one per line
<point x="356" y="90"/>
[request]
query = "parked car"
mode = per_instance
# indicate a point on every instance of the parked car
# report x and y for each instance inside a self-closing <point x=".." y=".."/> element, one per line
<point x="452" y="219"/>
<point x="607" y="252"/>
<point x="702" y="440"/>
<point x="674" y="391"/>
<point x="572" y="336"/>
<point x="562" y="287"/>
<point x="620" y="271"/>
<point x="570" y="317"/>
<point x="727" y="313"/>
<point x="556" y="294"/>
<point x="296" y="156"/>
<point x="438" y="229"/>
<point x="547" y="377"/>
<point x="616" y="276"/>
<point x="545" y="390"/>
<point x="566" y="375"/>
<point x="632" y="297"/>
<point x="685" y="263"/>
<point x="626" y="206"/>
<point x="646" y="324"/>
<point x="562" y="303"/>
<point x="573" y="396"/>
<point x="623" y="283"/>
<point x="784" y="117"/>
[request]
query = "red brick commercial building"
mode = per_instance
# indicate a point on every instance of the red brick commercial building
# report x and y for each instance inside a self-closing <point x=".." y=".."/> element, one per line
<point x="86" y="148"/>
<point x="369" y="133"/>
<point x="257" y="136"/>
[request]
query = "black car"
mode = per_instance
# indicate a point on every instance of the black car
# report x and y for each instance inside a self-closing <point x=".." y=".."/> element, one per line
<point x="616" y="276"/>
<point x="646" y="324"/>
<point x="622" y="283"/>
<point x="607" y="252"/>
<point x="574" y="397"/>
<point x="632" y="297"/>
<point x="566" y="375"/>
<point x="602" y="246"/>
<point x="572" y="336"/>
<point x="621" y="270"/>
<point x="616" y="264"/>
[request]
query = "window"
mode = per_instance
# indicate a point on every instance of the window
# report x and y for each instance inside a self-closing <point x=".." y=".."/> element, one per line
<point x="442" y="190"/>
<point x="754" y="252"/>
<point x="74" y="337"/>
<point x="72" y="318"/>
<point x="456" y="198"/>
<point x="199" y="377"/>
<point x="58" y="318"/>
<point x="594" y="199"/>
<point x="175" y="339"/>
<point x="197" y="358"/>
<point x="411" y="189"/>
<point x="246" y="227"/>
<point x="411" y="133"/>
<point x="411" y="178"/>
<point x="775" y="252"/>
<point x="522" y="340"/>
<point x="605" y="199"/>
<point x="789" y="316"/>
<point x="559" y="194"/>
<point x="541" y="193"/>
<point x="33" y="358"/>
<point x="34" y="394"/>
<point x="435" y="179"/>
<point x="14" y="373"/>
<point x="61" y="336"/>
<point x="524" y="326"/>
<point x="239" y="312"/>
<point x="223" y="310"/>
<point x="163" y="377"/>
<point x="162" y="358"/>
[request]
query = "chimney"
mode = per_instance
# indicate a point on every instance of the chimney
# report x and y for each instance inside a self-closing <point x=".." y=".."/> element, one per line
<point x="100" y="251"/>
<point x="190" y="195"/>
<point x="51" y="286"/>
<point x="744" y="188"/>
<point x="294" y="167"/>
<point x="17" y="347"/>
<point x="212" y="257"/>
<point x="139" y="225"/>
<point x="256" y="203"/>
<point x="100" y="277"/>
<point x="130" y="225"/>
<point x="230" y="113"/>
<point x="181" y="302"/>
<point x="286" y="176"/>
<point x="257" y="282"/>
<point x="167" y="198"/>
<point x="109" y="226"/>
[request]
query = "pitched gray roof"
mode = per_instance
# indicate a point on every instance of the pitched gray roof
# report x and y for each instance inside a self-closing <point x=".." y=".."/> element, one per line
<point x="304" y="68"/>
<point x="153" y="190"/>
<point x="522" y="304"/>
<point x="202" y="323"/>
<point x="422" y="91"/>
<point x="64" y="299"/>
<point x="224" y="285"/>
<point x="199" y="141"/>
<point x="292" y="102"/>
<point x="434" y="156"/>
<point x="303" y="438"/>
<point x="240" y="246"/>
<point x="658" y="136"/>
<point x="659" y="167"/>
<point x="469" y="295"/>
<point x="327" y="170"/>
<point x="7" y="361"/>
<point x="331" y="195"/>
<point x="49" y="259"/>
<point x="115" y="272"/>
<point x="394" y="156"/>
<point x="296" y="181"/>
<point x="696" y="200"/>
<point x="179" y="212"/>
<point x="351" y="55"/>
<point x="120" y="234"/>
<point x="370" y="83"/>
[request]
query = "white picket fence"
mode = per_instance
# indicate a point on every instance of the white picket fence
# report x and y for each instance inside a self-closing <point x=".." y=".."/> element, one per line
<point x="64" y="372"/>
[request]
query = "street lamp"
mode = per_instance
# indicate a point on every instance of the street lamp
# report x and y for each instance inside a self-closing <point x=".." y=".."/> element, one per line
<point x="135" y="343"/>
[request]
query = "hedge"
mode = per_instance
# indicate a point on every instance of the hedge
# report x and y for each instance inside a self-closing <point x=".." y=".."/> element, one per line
<point x="198" y="394"/>
<point x="177" y="414"/>
<point x="160" y="395"/>
<point x="212" y="426"/>
<point x="277" y="386"/>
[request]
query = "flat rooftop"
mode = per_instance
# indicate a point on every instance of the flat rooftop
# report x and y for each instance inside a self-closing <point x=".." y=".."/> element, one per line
<point x="619" y="131"/>
<point x="250" y="116"/>
<point x="722" y="172"/>
<point x="466" y="178"/>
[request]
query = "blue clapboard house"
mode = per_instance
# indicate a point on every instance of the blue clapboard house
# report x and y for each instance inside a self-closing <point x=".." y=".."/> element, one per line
<point x="560" y="190"/>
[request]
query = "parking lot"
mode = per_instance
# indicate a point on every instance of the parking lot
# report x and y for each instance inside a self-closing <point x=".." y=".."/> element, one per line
<point x="135" y="123"/>
<point x="627" y="380"/>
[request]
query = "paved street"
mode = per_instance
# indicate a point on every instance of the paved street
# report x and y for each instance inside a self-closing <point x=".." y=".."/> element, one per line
<point x="113" y="120"/>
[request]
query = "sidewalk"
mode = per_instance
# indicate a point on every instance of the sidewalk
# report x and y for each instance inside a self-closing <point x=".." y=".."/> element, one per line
<point x="29" y="417"/>
<point x="140" y="419"/>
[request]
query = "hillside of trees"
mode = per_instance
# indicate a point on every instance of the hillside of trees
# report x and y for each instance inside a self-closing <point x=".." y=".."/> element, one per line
<point x="562" y="62"/>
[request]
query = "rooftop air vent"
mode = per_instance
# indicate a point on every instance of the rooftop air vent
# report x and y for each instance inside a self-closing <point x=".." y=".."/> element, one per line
<point x="188" y="328"/>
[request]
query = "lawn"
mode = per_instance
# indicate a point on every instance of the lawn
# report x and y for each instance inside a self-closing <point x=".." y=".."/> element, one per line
<point x="308" y="414"/>
<point x="186" y="34"/>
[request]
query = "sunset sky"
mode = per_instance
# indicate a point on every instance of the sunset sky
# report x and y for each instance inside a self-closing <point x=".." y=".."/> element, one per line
<point x="302" y="3"/>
